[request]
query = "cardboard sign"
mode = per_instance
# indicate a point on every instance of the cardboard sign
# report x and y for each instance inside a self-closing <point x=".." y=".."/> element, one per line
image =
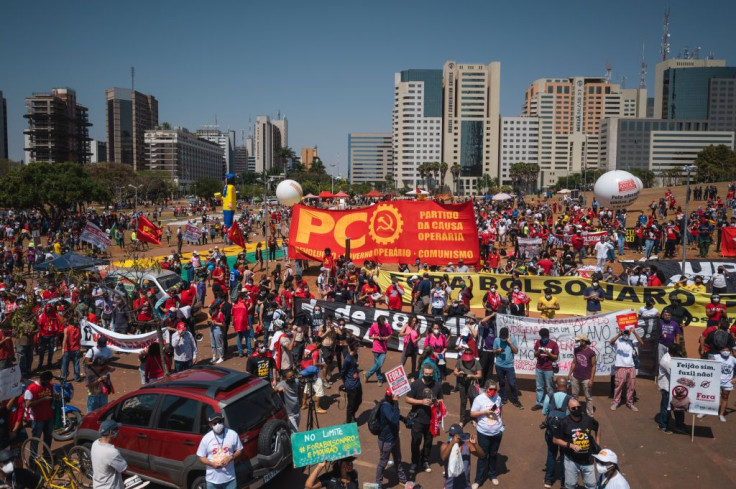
<point x="397" y="381"/>
<point x="10" y="384"/>
<point x="695" y="385"/>
<point x="330" y="443"/>
<point x="625" y="321"/>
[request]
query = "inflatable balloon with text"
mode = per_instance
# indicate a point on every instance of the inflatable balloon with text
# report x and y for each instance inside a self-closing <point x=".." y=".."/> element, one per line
<point x="289" y="192"/>
<point x="617" y="189"/>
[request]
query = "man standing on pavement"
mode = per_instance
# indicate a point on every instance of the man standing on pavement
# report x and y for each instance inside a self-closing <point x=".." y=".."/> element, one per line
<point x="424" y="394"/>
<point x="351" y="382"/>
<point x="38" y="397"/>
<point x="505" y="348"/>
<point x="575" y="436"/>
<point x="486" y="411"/>
<point x="554" y="410"/>
<point x="379" y="332"/>
<point x="289" y="389"/>
<point x="602" y="248"/>
<point x="680" y="315"/>
<point x="582" y="371"/>
<point x="185" y="348"/>
<point x="546" y="352"/>
<point x="218" y="450"/>
<point x="107" y="463"/>
<point x="624" y="367"/>
<point x="389" y="443"/>
<point x="422" y="295"/>
<point x="663" y="382"/>
<point x="669" y="333"/>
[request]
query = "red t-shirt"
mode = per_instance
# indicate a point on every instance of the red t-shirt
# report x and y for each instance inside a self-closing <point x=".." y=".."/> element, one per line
<point x="41" y="411"/>
<point x="546" y="265"/>
<point x="187" y="297"/>
<point x="394" y="298"/>
<point x="73" y="338"/>
<point x="706" y="332"/>
<point x="240" y="317"/>
<point x="6" y="347"/>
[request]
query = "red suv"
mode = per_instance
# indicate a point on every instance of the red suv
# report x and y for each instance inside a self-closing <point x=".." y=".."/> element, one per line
<point x="163" y="423"/>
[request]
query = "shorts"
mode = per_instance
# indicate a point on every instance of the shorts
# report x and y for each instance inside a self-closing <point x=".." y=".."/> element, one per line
<point x="727" y="387"/>
<point x="319" y="390"/>
<point x="327" y="353"/>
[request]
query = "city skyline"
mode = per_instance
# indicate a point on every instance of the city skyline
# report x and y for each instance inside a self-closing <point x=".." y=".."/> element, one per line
<point x="336" y="75"/>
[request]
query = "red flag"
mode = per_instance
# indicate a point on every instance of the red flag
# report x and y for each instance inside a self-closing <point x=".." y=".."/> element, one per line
<point x="235" y="235"/>
<point x="148" y="231"/>
<point x="728" y="241"/>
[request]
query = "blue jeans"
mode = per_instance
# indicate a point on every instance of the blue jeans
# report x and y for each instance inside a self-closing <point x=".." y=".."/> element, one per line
<point x="95" y="402"/>
<point x="664" y="415"/>
<point x="649" y="245"/>
<point x="244" y="335"/>
<point x="378" y="359"/>
<point x="486" y="468"/>
<point x="25" y="359"/>
<point x="181" y="366"/>
<point x="544" y="381"/>
<point x="46" y="344"/>
<point x="216" y="341"/>
<point x="571" y="475"/>
<point x="504" y="375"/>
<point x="70" y="356"/>
<point x="621" y="241"/>
<point x="233" y="484"/>
<point x="552" y="452"/>
<point x="43" y="429"/>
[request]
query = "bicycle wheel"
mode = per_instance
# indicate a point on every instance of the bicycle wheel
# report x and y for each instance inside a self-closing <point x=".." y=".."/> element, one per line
<point x="81" y="459"/>
<point x="36" y="456"/>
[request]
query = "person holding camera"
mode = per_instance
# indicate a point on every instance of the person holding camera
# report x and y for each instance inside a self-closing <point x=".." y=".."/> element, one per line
<point x="312" y="357"/>
<point x="593" y="295"/>
<point x="486" y="411"/>
<point x="351" y="382"/>
<point x="624" y="367"/>
<point x="457" y="461"/>
<point x="389" y="443"/>
<point x="424" y="394"/>
<point x="546" y="351"/>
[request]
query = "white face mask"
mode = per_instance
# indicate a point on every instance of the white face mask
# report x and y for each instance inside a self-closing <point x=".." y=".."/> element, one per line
<point x="218" y="428"/>
<point x="493" y="290"/>
<point x="436" y="331"/>
<point x="8" y="468"/>
<point x="725" y="354"/>
<point x="601" y="468"/>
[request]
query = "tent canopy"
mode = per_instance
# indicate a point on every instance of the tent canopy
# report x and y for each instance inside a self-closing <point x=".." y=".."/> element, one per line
<point x="341" y="194"/>
<point x="373" y="193"/>
<point x="325" y="194"/>
<point x="310" y="196"/>
<point x="70" y="261"/>
<point x="502" y="196"/>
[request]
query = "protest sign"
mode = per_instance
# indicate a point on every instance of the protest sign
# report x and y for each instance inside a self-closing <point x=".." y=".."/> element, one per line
<point x="397" y="381"/>
<point x="568" y="290"/>
<point x="389" y="232"/>
<point x="129" y="343"/>
<point x="95" y="236"/>
<point x="191" y="233"/>
<point x="325" y="444"/>
<point x="695" y="385"/>
<point x="10" y="384"/>
<point x="625" y="321"/>
<point x="599" y="329"/>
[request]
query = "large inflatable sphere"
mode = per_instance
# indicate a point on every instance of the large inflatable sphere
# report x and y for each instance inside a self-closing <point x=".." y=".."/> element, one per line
<point x="289" y="192"/>
<point x="617" y="189"/>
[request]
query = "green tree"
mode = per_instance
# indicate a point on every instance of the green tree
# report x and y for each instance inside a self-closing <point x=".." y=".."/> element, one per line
<point x="715" y="164"/>
<point x="390" y="182"/>
<point x="6" y="166"/>
<point x="155" y="184"/>
<point x="52" y="189"/>
<point x="455" y="170"/>
<point x="317" y="167"/>
<point x="207" y="187"/>
<point x="283" y="155"/>
<point x="443" y="167"/>
<point x="647" y="177"/>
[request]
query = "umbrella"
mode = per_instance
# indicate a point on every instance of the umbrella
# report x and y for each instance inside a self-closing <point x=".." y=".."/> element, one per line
<point x="418" y="192"/>
<point x="325" y="194"/>
<point x="564" y="191"/>
<point x="373" y="193"/>
<point x="310" y="196"/>
<point x="341" y="194"/>
<point x="501" y="196"/>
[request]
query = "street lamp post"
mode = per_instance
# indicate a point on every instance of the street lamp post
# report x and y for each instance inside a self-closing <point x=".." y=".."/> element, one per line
<point x="688" y="169"/>
<point x="136" y="187"/>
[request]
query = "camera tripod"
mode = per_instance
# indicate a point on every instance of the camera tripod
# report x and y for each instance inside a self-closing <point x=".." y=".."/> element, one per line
<point x="312" y="420"/>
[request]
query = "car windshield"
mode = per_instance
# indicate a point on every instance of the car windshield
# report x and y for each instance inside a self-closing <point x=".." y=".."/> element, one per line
<point x="252" y="410"/>
<point x="168" y="281"/>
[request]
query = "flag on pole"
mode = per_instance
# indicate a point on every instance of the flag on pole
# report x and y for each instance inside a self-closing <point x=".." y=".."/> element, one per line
<point x="235" y="235"/>
<point x="148" y="231"/>
<point x="113" y="231"/>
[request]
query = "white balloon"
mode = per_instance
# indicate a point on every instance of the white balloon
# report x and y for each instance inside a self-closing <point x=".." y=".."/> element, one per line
<point x="289" y="192"/>
<point x="617" y="189"/>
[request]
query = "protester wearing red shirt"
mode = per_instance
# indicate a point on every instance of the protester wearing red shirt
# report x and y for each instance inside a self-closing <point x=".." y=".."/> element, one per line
<point x="366" y="293"/>
<point x="7" y="351"/>
<point x="394" y="293"/>
<point x="546" y="264"/>
<point x="71" y="345"/>
<point x="241" y="326"/>
<point x="49" y="325"/>
<point x="715" y="310"/>
<point x="186" y="297"/>
<point x="38" y="397"/>
<point x="494" y="259"/>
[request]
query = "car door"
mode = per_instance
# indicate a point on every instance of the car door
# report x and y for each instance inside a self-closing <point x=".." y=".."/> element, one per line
<point x="174" y="441"/>
<point x="136" y="415"/>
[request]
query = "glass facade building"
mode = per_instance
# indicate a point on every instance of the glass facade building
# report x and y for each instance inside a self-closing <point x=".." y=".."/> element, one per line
<point x="686" y="90"/>
<point x="471" y="148"/>
<point x="370" y="156"/>
<point x="432" y="79"/>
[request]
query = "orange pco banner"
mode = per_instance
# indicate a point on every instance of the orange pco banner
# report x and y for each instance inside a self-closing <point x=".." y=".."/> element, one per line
<point x="388" y="232"/>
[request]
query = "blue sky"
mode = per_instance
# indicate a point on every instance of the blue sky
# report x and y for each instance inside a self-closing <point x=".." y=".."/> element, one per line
<point x="327" y="64"/>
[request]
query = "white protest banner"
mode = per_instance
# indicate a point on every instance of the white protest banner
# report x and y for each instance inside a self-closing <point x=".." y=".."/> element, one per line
<point x="695" y="385"/>
<point x="95" y="236"/>
<point x="10" y="384"/>
<point x="191" y="233"/>
<point x="129" y="343"/>
<point x="397" y="381"/>
<point x="525" y="332"/>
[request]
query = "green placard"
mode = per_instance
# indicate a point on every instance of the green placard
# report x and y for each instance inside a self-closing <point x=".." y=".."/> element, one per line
<point x="330" y="443"/>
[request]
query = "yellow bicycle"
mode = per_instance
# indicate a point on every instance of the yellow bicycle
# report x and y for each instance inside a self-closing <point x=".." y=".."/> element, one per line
<point x="73" y="471"/>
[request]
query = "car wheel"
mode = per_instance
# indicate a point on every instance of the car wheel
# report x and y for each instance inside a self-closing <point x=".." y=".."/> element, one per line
<point x="198" y="483"/>
<point x="274" y="435"/>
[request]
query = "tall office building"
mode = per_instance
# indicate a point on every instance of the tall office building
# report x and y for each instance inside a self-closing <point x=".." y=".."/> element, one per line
<point x="308" y="156"/>
<point x="129" y="114"/>
<point x="58" y="128"/>
<point x="665" y="73"/>
<point x="183" y="155"/>
<point x="519" y="144"/>
<point x="98" y="151"/>
<point x="240" y="160"/>
<point x="470" y="129"/>
<point x="569" y="111"/>
<point x="3" y="127"/>
<point x="370" y="157"/>
<point x="225" y="139"/>
<point x="270" y="135"/>
<point x="416" y="123"/>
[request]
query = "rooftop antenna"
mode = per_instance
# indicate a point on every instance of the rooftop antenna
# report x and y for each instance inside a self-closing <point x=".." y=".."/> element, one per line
<point x="643" y="74"/>
<point x="623" y="81"/>
<point x="279" y="114"/>
<point x="696" y="52"/>
<point x="687" y="55"/>
<point x="132" y="78"/>
<point x="665" y="48"/>
<point x="608" y="72"/>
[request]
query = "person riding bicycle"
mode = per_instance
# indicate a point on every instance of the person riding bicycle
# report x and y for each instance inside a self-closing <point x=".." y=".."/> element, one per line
<point x="12" y="475"/>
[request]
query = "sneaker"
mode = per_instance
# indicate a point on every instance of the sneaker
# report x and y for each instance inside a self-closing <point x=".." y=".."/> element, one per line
<point x="547" y="485"/>
<point x="536" y="407"/>
<point x="220" y="360"/>
<point x="722" y="418"/>
<point x="214" y="359"/>
<point x="320" y="411"/>
<point x="518" y="405"/>
<point x="380" y="382"/>
<point x="665" y="431"/>
<point x="390" y="463"/>
<point x="426" y="467"/>
<point x="476" y="486"/>
<point x="494" y="482"/>
<point x="412" y="470"/>
<point x="614" y="406"/>
<point x="700" y="416"/>
<point x="632" y="407"/>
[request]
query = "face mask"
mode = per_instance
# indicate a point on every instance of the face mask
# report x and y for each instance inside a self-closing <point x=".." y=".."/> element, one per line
<point x="491" y="392"/>
<point x="218" y="428"/>
<point x="493" y="289"/>
<point x="436" y="331"/>
<point x="601" y="468"/>
<point x="8" y="468"/>
<point x="595" y="284"/>
<point x="261" y="351"/>
<point x="516" y="291"/>
<point x="716" y="301"/>
<point x="428" y="379"/>
<point x="725" y="354"/>
<point x="545" y="341"/>
<point x="575" y="411"/>
<point x="577" y="344"/>
<point x="548" y="296"/>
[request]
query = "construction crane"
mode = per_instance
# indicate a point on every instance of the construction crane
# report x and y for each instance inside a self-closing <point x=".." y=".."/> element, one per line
<point x="665" y="48"/>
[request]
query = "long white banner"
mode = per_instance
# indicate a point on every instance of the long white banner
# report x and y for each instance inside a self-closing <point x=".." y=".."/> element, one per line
<point x="600" y="329"/>
<point x="129" y="343"/>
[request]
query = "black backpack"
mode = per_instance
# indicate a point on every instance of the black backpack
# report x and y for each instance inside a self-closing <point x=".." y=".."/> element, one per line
<point x="720" y="339"/>
<point x="374" y="419"/>
<point x="556" y="413"/>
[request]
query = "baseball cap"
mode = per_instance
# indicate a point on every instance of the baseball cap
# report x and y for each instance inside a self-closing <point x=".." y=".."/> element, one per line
<point x="607" y="455"/>
<point x="456" y="429"/>
<point x="215" y="417"/>
<point x="389" y="392"/>
<point x="108" y="426"/>
<point x="7" y="455"/>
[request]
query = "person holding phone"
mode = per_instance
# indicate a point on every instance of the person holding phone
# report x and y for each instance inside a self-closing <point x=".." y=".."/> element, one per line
<point x="467" y="444"/>
<point x="486" y="411"/>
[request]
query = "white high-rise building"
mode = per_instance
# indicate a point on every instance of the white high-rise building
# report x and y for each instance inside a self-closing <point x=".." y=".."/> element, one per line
<point x="226" y="141"/>
<point x="183" y="155"/>
<point x="369" y="157"/>
<point x="470" y="129"/>
<point x="417" y="124"/>
<point x="519" y="144"/>
<point x="270" y="135"/>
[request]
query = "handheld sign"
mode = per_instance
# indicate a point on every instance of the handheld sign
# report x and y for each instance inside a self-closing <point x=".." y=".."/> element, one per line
<point x="325" y="444"/>
<point x="397" y="381"/>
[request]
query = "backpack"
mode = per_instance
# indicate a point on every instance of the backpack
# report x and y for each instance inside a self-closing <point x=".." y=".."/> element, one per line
<point x="720" y="339"/>
<point x="374" y="419"/>
<point x="556" y="413"/>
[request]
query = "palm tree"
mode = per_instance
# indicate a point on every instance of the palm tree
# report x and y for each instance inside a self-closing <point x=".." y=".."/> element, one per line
<point x="455" y="170"/>
<point x="517" y="172"/>
<point x="532" y="173"/>
<point x="283" y="155"/>
<point x="485" y="183"/>
<point x="423" y="171"/>
<point x="443" y="173"/>
<point x="389" y="179"/>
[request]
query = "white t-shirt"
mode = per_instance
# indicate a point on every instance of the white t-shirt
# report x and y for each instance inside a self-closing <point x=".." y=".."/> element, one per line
<point x="616" y="482"/>
<point x="489" y="424"/>
<point x="727" y="368"/>
<point x="214" y="447"/>
<point x="107" y="466"/>
<point x="645" y="313"/>
<point x="624" y="353"/>
<point x="95" y="352"/>
<point x="719" y="280"/>
<point x="439" y="298"/>
<point x="601" y="250"/>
